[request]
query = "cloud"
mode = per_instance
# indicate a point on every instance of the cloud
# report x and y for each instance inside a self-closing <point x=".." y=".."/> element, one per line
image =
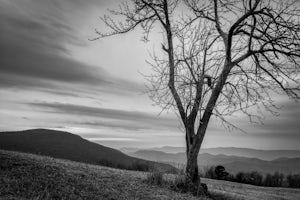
<point x="35" y="48"/>
<point x="8" y="80"/>
<point x="286" y="124"/>
<point x="130" y="120"/>
<point x="30" y="64"/>
<point x="94" y="111"/>
<point x="111" y="139"/>
<point x="36" y="41"/>
<point x="114" y="125"/>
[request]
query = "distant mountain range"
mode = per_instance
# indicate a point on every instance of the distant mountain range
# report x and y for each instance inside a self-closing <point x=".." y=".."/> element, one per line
<point x="65" y="145"/>
<point x="229" y="151"/>
<point x="233" y="164"/>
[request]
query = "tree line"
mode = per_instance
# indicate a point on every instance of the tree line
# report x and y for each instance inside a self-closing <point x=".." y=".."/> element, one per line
<point x="276" y="179"/>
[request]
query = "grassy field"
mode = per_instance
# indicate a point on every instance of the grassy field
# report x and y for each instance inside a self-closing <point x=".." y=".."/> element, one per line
<point x="245" y="191"/>
<point x="27" y="176"/>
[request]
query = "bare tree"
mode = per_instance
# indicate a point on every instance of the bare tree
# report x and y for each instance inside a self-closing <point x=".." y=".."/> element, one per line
<point x="261" y="49"/>
<point x="223" y="56"/>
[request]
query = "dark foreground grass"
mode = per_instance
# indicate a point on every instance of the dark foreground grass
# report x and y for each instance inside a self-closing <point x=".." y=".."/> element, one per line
<point x="27" y="176"/>
<point x="179" y="184"/>
<point x="225" y="190"/>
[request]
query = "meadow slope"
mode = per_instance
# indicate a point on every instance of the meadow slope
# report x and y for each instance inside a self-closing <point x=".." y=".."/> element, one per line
<point x="28" y="176"/>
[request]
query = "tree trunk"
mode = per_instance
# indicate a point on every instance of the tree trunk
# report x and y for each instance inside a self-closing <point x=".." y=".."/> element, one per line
<point x="192" y="171"/>
<point x="193" y="182"/>
<point x="191" y="155"/>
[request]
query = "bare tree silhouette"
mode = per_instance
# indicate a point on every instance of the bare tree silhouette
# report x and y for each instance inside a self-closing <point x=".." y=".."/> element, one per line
<point x="221" y="56"/>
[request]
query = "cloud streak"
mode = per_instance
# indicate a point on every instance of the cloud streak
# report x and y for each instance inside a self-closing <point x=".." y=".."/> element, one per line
<point x="35" y="50"/>
<point x="130" y="120"/>
<point x="45" y="55"/>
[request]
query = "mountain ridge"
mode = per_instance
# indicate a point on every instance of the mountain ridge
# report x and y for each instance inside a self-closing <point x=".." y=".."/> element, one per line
<point x="233" y="164"/>
<point x="230" y="151"/>
<point x="65" y="145"/>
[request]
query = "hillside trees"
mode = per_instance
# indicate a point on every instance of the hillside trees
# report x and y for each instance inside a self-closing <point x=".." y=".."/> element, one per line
<point x="219" y="57"/>
<point x="293" y="180"/>
<point x="220" y="172"/>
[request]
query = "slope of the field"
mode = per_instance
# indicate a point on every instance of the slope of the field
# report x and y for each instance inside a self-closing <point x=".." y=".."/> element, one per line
<point x="28" y="176"/>
<point x="66" y="145"/>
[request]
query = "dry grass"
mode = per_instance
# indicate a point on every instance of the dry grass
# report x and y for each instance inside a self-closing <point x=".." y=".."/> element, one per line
<point x="250" y="192"/>
<point x="27" y="176"/>
<point x="225" y="190"/>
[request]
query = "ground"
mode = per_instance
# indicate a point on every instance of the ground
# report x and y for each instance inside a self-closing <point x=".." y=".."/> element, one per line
<point x="27" y="176"/>
<point x="251" y="192"/>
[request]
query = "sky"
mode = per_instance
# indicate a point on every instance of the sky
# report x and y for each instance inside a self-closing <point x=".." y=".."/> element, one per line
<point x="52" y="76"/>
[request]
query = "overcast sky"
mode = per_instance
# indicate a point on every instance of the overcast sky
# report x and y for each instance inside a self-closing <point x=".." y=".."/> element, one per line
<point x="51" y="76"/>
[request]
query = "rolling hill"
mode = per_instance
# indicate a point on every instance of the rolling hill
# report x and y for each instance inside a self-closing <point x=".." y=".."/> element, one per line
<point x="65" y="145"/>
<point x="233" y="164"/>
<point x="28" y="176"/>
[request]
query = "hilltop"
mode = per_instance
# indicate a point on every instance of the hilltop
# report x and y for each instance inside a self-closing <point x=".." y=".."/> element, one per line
<point x="59" y="144"/>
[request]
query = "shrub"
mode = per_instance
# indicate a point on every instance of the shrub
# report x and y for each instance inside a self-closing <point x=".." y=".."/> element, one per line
<point x="217" y="172"/>
<point x="210" y="173"/>
<point x="240" y="177"/>
<point x="178" y="183"/>
<point x="220" y="172"/>
<point x="293" y="181"/>
<point x="275" y="180"/>
<point x="141" y="166"/>
<point x="255" y="178"/>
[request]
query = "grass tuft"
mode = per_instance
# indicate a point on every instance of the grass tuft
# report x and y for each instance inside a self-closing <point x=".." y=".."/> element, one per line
<point x="155" y="178"/>
<point x="178" y="183"/>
